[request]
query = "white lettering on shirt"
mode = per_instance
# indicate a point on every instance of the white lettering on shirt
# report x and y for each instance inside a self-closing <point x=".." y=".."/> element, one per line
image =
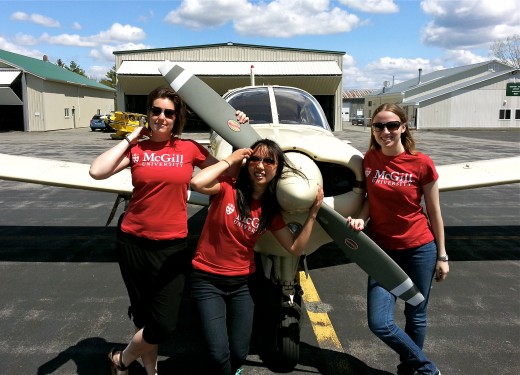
<point x="392" y="178"/>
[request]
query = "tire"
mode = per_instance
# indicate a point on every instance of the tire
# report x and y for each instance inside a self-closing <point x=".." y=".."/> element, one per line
<point x="288" y="342"/>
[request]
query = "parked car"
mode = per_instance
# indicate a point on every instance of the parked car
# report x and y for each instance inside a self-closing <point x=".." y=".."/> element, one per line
<point x="358" y="120"/>
<point x="97" y="122"/>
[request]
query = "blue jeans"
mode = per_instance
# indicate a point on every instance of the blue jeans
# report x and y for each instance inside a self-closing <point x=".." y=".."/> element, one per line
<point x="226" y="316"/>
<point x="419" y="264"/>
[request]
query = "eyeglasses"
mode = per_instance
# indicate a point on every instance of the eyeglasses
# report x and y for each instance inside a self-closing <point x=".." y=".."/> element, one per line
<point x="267" y="162"/>
<point x="168" y="113"/>
<point x="391" y="126"/>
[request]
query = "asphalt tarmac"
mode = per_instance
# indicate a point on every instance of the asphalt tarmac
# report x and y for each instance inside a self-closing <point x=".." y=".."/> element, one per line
<point x="63" y="303"/>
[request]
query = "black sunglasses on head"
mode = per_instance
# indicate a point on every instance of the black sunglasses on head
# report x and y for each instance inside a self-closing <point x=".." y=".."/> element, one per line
<point x="156" y="111"/>
<point x="391" y="126"/>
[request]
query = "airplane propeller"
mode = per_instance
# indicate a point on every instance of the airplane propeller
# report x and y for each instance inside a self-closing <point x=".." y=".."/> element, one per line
<point x="220" y="116"/>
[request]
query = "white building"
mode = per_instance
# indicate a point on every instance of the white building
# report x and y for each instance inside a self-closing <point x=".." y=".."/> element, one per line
<point x="471" y="96"/>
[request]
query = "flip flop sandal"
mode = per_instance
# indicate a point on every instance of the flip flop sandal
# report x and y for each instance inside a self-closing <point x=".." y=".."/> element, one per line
<point x="119" y="366"/>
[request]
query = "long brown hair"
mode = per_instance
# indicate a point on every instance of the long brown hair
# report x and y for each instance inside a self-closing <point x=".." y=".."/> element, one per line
<point x="180" y="106"/>
<point x="406" y="136"/>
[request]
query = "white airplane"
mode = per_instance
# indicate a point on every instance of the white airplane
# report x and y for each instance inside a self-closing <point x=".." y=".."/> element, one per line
<point x="294" y="119"/>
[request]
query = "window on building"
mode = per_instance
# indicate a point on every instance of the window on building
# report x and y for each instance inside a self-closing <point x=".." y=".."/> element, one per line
<point x="370" y="103"/>
<point x="517" y="114"/>
<point x="67" y="112"/>
<point x="505" y="114"/>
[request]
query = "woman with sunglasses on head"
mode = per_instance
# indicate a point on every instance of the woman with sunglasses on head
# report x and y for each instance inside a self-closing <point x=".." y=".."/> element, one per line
<point x="242" y="209"/>
<point x="151" y="239"/>
<point x="398" y="177"/>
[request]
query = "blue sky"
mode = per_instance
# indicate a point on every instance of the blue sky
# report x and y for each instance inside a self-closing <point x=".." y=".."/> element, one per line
<point x="383" y="40"/>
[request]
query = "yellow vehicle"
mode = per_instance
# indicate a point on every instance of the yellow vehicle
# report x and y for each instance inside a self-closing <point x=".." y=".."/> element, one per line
<point x="125" y="122"/>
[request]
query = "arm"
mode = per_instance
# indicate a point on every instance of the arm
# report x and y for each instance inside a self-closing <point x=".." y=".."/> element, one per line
<point x="433" y="209"/>
<point x="210" y="160"/>
<point x="114" y="160"/>
<point x="206" y="181"/>
<point x="363" y="216"/>
<point x="296" y="245"/>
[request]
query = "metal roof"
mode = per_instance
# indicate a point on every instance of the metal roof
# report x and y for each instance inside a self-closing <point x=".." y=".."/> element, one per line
<point x="228" y="44"/>
<point x="236" y="68"/>
<point x="462" y="85"/>
<point x="356" y="94"/>
<point x="47" y="70"/>
<point x="429" y="78"/>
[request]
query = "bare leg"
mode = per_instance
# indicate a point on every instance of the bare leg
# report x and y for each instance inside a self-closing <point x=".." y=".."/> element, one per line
<point x="139" y="348"/>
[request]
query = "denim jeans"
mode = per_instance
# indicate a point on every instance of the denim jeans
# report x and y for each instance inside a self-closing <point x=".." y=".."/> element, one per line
<point x="226" y="316"/>
<point x="419" y="264"/>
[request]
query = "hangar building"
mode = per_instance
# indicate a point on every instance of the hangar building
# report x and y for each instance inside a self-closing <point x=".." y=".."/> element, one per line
<point x="37" y="95"/>
<point x="230" y="65"/>
<point x="476" y="96"/>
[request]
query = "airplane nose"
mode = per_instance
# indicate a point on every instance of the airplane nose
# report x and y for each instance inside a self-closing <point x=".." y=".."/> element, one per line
<point x="295" y="193"/>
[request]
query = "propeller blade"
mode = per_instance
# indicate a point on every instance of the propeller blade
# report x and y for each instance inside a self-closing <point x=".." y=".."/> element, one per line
<point x="209" y="105"/>
<point x="221" y="117"/>
<point x="368" y="256"/>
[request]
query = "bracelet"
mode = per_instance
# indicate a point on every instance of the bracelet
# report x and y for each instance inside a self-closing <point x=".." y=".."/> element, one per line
<point x="128" y="139"/>
<point x="229" y="165"/>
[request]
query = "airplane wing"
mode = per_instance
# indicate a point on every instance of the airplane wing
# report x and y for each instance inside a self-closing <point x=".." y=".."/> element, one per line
<point x="477" y="174"/>
<point x="71" y="175"/>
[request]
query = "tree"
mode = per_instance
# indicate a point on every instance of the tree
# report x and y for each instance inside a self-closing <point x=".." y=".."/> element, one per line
<point x="507" y="51"/>
<point x="110" y="79"/>
<point x="73" y="67"/>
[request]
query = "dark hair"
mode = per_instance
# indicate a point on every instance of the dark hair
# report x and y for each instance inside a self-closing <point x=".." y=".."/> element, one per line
<point x="270" y="205"/>
<point x="406" y="136"/>
<point x="180" y="106"/>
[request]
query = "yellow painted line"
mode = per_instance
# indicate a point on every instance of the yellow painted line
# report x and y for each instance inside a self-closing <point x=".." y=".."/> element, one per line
<point x="321" y="324"/>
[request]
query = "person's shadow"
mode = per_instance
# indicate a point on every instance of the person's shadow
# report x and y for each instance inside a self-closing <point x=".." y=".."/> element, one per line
<point x="89" y="355"/>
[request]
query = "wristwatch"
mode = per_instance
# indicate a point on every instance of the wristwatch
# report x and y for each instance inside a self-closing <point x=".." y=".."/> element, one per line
<point x="443" y="258"/>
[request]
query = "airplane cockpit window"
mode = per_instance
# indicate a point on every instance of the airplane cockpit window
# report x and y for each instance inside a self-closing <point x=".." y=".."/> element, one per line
<point x="297" y="107"/>
<point x="255" y="103"/>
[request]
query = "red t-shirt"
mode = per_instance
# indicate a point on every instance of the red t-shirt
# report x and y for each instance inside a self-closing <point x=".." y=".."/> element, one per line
<point x="161" y="173"/>
<point x="226" y="245"/>
<point x="394" y="188"/>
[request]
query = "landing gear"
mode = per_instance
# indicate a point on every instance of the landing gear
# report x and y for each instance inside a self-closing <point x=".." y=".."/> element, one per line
<point x="288" y="334"/>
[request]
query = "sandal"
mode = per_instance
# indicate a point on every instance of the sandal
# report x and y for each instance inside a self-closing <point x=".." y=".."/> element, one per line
<point x="119" y="366"/>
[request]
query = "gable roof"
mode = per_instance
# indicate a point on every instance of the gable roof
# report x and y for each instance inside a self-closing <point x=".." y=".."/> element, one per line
<point x="430" y="78"/>
<point x="47" y="70"/>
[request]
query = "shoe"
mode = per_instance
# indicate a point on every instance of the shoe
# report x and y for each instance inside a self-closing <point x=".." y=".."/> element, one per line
<point x="239" y="371"/>
<point x="119" y="366"/>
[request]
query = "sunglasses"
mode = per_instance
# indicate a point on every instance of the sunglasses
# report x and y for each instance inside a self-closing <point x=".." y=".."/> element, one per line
<point x="168" y="113"/>
<point x="391" y="126"/>
<point x="267" y="162"/>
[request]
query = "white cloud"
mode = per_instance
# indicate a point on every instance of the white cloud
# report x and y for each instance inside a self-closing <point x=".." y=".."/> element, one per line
<point x="288" y="18"/>
<point x="200" y="14"/>
<point x="465" y="24"/>
<point x="462" y="57"/>
<point x="120" y="33"/>
<point x="276" y="18"/>
<point x="35" y="18"/>
<point x="15" y="48"/>
<point x="25" y="39"/>
<point x="76" y="26"/>
<point x="372" y="6"/>
<point x="67" y="40"/>
<point x="105" y="52"/>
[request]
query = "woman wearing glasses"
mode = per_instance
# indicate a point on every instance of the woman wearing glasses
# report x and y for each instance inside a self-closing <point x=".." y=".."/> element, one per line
<point x="151" y="240"/>
<point x="241" y="210"/>
<point x="398" y="177"/>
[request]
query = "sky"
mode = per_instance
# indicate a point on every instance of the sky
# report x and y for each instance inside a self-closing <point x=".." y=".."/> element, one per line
<point x="382" y="40"/>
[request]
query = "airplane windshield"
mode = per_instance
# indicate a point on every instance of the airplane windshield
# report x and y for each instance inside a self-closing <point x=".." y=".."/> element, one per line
<point x="297" y="107"/>
<point x="255" y="103"/>
<point x="294" y="106"/>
